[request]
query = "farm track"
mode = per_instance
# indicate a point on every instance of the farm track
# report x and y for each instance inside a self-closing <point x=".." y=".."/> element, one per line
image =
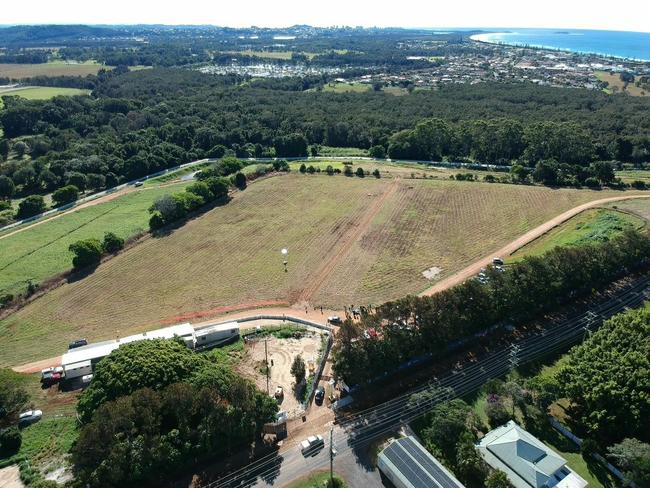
<point x="327" y="268"/>
<point x="520" y="242"/>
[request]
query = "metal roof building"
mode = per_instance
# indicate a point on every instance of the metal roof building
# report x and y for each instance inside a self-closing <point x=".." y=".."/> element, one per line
<point x="407" y="464"/>
<point x="94" y="352"/>
<point x="527" y="461"/>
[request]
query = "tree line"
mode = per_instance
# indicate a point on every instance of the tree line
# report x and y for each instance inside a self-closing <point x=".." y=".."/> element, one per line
<point x="415" y="326"/>
<point x="141" y="122"/>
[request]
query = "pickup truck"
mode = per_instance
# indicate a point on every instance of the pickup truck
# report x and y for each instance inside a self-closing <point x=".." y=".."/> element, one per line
<point x="312" y="444"/>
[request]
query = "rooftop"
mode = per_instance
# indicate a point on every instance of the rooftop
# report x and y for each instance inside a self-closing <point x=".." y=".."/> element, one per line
<point x="102" y="349"/>
<point x="526" y="460"/>
<point x="414" y="467"/>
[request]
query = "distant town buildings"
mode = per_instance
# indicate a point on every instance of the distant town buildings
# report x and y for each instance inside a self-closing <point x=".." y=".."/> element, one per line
<point x="477" y="63"/>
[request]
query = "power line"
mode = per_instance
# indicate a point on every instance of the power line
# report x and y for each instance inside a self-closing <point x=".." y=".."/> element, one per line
<point x="368" y="424"/>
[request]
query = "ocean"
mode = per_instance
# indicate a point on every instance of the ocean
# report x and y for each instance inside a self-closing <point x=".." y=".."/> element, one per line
<point x="631" y="45"/>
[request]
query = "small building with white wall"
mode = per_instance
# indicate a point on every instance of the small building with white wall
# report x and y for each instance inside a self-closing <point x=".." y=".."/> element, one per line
<point x="81" y="360"/>
<point x="527" y="461"/>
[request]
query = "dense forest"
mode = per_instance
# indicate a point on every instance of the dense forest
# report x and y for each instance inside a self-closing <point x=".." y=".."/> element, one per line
<point x="154" y="407"/>
<point x="140" y="122"/>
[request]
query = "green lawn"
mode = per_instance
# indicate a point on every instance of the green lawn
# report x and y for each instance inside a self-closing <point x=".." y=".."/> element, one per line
<point x="347" y="88"/>
<point x="45" y="446"/>
<point x="342" y="151"/>
<point x="48" y="438"/>
<point x="589" y="226"/>
<point x="40" y="252"/>
<point x="318" y="480"/>
<point x="629" y="175"/>
<point x="42" y="92"/>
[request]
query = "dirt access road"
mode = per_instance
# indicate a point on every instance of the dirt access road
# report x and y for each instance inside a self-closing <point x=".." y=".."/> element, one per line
<point x="518" y="243"/>
<point x="328" y="266"/>
<point x="10" y="477"/>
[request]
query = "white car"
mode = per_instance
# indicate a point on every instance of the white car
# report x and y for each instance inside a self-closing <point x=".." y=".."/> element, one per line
<point x="29" y="417"/>
<point x="334" y="319"/>
<point x="281" y="416"/>
<point x="311" y="444"/>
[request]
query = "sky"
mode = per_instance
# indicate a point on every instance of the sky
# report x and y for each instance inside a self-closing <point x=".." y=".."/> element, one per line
<point x="576" y="14"/>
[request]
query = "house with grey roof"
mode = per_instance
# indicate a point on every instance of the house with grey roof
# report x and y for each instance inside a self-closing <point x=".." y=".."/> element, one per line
<point x="527" y="461"/>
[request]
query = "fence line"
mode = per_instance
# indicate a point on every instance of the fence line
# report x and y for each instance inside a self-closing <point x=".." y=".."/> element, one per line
<point x="288" y="318"/>
<point x="321" y="367"/>
<point x="577" y="441"/>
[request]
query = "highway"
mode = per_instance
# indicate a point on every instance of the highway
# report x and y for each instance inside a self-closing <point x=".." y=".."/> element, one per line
<point x="353" y="434"/>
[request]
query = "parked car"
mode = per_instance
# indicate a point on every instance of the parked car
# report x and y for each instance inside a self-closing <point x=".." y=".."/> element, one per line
<point x="279" y="392"/>
<point x="497" y="262"/>
<point x="51" y="376"/>
<point x="77" y="343"/>
<point x="138" y="183"/>
<point x="311" y="444"/>
<point x="282" y="416"/>
<point x="334" y="319"/>
<point x="29" y="417"/>
<point x="319" y="396"/>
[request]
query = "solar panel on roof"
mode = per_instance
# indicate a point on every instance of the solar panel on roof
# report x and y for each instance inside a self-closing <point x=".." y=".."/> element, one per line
<point x="417" y="467"/>
<point x="410" y="470"/>
<point x="438" y="474"/>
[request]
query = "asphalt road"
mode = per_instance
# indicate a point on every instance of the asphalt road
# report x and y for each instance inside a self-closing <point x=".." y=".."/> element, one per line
<point x="353" y="435"/>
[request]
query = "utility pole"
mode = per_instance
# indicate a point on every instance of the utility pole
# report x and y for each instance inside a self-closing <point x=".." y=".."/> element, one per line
<point x="266" y="354"/>
<point x="331" y="458"/>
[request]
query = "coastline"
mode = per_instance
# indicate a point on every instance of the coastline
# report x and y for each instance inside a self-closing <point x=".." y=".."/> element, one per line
<point x="485" y="38"/>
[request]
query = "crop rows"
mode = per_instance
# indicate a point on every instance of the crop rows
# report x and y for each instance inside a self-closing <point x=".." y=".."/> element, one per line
<point x="439" y="223"/>
<point x="228" y="256"/>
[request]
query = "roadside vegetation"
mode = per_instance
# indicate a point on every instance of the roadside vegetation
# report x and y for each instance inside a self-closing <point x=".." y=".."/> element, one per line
<point x="570" y="392"/>
<point x="167" y="412"/>
<point x="415" y="326"/>
<point x="319" y="480"/>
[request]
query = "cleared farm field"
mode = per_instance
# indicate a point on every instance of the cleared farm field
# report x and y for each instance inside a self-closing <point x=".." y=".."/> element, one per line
<point x="59" y="68"/>
<point x="616" y="85"/>
<point x="347" y="88"/>
<point x="437" y="228"/>
<point x="350" y="241"/>
<point x="41" y="251"/>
